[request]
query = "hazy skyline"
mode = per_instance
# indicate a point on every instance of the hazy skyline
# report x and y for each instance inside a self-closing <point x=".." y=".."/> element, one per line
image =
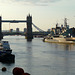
<point x="45" y="13"/>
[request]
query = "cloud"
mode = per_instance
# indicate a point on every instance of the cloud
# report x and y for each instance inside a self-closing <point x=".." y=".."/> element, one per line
<point x="31" y="2"/>
<point x="38" y="1"/>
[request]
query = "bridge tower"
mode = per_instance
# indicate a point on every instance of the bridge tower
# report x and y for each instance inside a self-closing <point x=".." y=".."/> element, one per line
<point x="1" y="35"/>
<point x="29" y="28"/>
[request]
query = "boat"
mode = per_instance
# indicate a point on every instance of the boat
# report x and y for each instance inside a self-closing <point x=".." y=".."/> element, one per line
<point x="6" y="52"/>
<point x="59" y="39"/>
<point x="5" y="47"/>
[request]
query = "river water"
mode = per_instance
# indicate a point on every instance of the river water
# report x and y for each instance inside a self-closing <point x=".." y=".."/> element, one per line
<point x="40" y="58"/>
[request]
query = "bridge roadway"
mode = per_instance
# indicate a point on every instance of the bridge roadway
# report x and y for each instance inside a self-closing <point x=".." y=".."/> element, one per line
<point x="24" y="34"/>
<point x="13" y="21"/>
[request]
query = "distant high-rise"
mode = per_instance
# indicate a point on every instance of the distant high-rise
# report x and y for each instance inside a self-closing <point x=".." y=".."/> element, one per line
<point x="65" y="22"/>
<point x="67" y="27"/>
<point x="11" y="30"/>
<point x="17" y="29"/>
<point x="61" y="26"/>
<point x="48" y="30"/>
<point x="25" y="29"/>
<point x="56" y="25"/>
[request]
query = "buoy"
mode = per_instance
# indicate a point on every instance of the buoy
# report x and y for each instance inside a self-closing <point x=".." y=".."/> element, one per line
<point x="18" y="71"/>
<point x="4" y="69"/>
<point x="25" y="74"/>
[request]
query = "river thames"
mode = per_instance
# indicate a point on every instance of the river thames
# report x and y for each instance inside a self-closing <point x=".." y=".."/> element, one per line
<point x="40" y="58"/>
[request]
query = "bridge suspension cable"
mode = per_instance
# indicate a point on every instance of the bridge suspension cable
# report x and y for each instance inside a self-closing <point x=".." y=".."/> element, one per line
<point x="37" y="28"/>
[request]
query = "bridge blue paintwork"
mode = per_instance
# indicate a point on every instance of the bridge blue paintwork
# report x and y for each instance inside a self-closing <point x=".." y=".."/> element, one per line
<point x="13" y="21"/>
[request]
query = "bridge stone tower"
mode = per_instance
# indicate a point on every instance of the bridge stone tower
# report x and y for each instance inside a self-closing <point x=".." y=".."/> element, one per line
<point x="29" y="28"/>
<point x="1" y="35"/>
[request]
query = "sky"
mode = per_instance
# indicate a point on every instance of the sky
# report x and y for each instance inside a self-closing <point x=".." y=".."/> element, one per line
<point x="45" y="13"/>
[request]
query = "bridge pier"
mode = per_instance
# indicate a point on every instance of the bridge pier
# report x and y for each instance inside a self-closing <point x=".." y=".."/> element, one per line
<point x="1" y="35"/>
<point x="29" y="28"/>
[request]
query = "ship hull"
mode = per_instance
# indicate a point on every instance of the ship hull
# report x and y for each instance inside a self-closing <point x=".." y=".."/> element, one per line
<point x="59" y="41"/>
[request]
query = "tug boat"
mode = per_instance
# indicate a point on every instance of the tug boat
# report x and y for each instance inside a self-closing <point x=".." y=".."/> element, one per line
<point x="6" y="55"/>
<point x="59" y="39"/>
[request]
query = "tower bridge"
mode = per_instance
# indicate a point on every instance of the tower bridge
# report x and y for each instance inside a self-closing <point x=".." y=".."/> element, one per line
<point x="29" y="23"/>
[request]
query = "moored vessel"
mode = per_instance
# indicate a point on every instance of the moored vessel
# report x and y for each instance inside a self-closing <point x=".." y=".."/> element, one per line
<point x="59" y="39"/>
<point x="6" y="55"/>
